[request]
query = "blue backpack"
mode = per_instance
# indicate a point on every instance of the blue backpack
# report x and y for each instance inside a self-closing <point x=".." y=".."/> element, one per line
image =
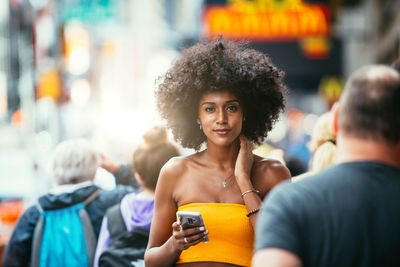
<point x="64" y="237"/>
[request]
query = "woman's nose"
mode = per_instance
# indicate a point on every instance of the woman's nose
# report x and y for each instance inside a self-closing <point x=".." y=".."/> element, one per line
<point x="221" y="117"/>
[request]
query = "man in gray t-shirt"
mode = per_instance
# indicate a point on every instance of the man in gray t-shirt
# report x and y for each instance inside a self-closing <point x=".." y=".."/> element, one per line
<point x="347" y="215"/>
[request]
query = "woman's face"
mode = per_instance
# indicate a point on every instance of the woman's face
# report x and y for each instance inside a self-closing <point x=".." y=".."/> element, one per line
<point x="221" y="116"/>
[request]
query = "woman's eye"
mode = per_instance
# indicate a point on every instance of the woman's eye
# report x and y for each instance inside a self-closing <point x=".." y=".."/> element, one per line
<point x="209" y="109"/>
<point x="232" y="108"/>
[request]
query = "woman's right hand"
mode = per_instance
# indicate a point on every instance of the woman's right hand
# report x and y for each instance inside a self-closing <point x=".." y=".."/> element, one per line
<point x="245" y="158"/>
<point x="183" y="239"/>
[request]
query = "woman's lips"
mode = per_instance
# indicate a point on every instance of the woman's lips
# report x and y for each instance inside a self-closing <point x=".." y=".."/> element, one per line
<point x="222" y="131"/>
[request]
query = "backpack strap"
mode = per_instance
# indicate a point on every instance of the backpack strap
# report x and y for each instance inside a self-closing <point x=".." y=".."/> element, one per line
<point x="116" y="224"/>
<point x="90" y="236"/>
<point x="37" y="241"/>
<point x="39" y="207"/>
<point x="92" y="197"/>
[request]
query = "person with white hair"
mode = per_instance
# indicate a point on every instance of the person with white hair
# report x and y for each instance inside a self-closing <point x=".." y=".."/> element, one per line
<point x="72" y="167"/>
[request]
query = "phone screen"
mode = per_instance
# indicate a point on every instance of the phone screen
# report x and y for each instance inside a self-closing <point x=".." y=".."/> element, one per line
<point x="190" y="221"/>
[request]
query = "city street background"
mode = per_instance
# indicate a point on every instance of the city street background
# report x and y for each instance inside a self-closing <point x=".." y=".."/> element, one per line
<point x="89" y="68"/>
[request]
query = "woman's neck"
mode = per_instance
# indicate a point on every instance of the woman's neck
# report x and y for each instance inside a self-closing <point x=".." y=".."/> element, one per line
<point x="222" y="157"/>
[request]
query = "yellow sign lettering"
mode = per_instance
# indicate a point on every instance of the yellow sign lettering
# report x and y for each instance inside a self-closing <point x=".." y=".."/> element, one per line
<point x="251" y="21"/>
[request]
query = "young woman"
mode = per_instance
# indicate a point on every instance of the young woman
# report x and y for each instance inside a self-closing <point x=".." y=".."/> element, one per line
<point x="225" y="95"/>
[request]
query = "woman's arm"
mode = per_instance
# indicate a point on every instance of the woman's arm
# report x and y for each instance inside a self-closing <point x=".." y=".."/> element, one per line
<point x="167" y="239"/>
<point x="266" y="174"/>
<point x="161" y="250"/>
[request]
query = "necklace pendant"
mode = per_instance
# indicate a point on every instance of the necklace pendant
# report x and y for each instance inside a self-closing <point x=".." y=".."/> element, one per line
<point x="224" y="183"/>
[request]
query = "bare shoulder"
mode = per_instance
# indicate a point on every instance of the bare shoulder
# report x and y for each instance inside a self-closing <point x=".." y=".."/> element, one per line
<point x="169" y="179"/>
<point x="267" y="173"/>
<point x="173" y="169"/>
<point x="174" y="163"/>
<point x="177" y="167"/>
<point x="271" y="167"/>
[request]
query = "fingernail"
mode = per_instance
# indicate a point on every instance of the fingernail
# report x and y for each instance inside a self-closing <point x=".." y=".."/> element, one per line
<point x="206" y="232"/>
<point x="202" y="228"/>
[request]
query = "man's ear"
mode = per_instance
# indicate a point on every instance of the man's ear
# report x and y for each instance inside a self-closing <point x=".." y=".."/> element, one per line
<point x="335" y="117"/>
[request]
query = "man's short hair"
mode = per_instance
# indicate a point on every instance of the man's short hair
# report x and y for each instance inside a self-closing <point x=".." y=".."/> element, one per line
<point x="370" y="104"/>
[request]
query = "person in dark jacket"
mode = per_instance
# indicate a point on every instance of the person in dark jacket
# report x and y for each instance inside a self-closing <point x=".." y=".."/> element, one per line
<point x="72" y="166"/>
<point x="123" y="174"/>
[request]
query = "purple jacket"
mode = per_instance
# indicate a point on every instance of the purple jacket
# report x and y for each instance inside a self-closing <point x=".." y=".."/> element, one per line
<point x="137" y="212"/>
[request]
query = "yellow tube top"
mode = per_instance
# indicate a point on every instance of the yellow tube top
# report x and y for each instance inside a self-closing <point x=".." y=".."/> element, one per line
<point x="229" y="230"/>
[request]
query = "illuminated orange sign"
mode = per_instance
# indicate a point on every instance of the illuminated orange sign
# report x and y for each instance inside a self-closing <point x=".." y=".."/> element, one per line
<point x="255" y="20"/>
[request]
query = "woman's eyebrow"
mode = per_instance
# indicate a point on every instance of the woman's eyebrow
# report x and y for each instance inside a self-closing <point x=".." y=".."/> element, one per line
<point x="207" y="103"/>
<point x="227" y="102"/>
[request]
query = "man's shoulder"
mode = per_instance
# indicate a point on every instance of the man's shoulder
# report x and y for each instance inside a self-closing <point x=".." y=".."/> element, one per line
<point x="328" y="177"/>
<point x="334" y="181"/>
<point x="310" y="187"/>
<point x="339" y="174"/>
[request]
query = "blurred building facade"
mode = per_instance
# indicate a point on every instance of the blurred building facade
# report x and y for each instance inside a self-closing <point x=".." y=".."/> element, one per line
<point x="89" y="68"/>
<point x="72" y="51"/>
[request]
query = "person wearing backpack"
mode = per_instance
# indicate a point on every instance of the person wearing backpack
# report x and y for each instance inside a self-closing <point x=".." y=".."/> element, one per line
<point x="124" y="232"/>
<point x="75" y="205"/>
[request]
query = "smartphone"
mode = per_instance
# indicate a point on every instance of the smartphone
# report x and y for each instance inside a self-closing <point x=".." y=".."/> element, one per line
<point x="190" y="219"/>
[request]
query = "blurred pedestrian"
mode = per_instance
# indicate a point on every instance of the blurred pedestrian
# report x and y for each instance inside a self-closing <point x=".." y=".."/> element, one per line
<point x="322" y="146"/>
<point x="323" y="143"/>
<point x="72" y="166"/>
<point x="137" y="208"/>
<point x="346" y="215"/>
<point x="296" y="139"/>
<point x="225" y="95"/>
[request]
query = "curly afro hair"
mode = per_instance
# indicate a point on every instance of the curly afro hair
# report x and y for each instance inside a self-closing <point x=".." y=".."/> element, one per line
<point x="220" y="65"/>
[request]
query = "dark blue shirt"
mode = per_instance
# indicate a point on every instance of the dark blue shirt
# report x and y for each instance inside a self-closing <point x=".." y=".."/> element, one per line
<point x="347" y="215"/>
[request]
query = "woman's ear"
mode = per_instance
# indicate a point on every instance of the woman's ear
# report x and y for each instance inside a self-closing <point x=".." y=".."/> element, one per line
<point x="335" y="117"/>
<point x="138" y="178"/>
